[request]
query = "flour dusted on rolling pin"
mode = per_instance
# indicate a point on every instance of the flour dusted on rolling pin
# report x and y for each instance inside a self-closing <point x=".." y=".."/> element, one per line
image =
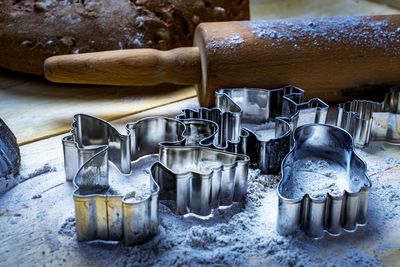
<point x="358" y="31"/>
<point x="225" y="43"/>
<point x="331" y="58"/>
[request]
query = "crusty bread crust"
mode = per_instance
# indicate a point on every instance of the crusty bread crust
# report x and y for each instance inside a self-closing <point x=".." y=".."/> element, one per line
<point x="31" y="31"/>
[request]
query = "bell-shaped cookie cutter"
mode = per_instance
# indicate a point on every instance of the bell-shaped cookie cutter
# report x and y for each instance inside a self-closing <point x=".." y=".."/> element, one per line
<point x="97" y="149"/>
<point x="325" y="210"/>
<point x="372" y="121"/>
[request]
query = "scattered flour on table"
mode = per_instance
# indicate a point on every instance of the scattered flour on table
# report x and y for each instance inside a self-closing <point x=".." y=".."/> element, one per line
<point x="39" y="171"/>
<point x="6" y="183"/>
<point x="244" y="235"/>
<point x="68" y="227"/>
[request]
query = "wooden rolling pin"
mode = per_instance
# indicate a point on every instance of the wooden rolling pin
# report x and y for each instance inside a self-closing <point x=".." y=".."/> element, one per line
<point x="332" y="58"/>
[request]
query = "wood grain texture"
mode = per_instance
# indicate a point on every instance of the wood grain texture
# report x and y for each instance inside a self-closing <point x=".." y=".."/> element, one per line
<point x="37" y="228"/>
<point x="35" y="109"/>
<point x="331" y="58"/>
<point x="127" y="67"/>
<point x="278" y="9"/>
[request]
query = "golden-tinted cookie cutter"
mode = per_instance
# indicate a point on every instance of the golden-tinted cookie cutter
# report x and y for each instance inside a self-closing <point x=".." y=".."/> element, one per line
<point x="120" y="178"/>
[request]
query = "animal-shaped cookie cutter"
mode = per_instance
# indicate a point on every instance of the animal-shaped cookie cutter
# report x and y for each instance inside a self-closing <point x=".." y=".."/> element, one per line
<point x="120" y="178"/>
<point x="372" y="121"/>
<point x="324" y="186"/>
<point x="258" y="122"/>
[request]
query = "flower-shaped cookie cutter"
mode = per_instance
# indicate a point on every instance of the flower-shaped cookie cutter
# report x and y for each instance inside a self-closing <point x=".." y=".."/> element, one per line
<point x="324" y="186"/>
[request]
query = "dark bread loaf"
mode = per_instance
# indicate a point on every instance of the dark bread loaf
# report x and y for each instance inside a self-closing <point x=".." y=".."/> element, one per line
<point x="31" y="31"/>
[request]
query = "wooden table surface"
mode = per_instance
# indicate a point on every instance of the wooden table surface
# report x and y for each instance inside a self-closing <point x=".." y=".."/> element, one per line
<point x="36" y="109"/>
<point x="40" y="113"/>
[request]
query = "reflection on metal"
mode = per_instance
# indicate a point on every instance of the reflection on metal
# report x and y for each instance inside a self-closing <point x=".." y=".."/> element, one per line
<point x="119" y="178"/>
<point x="322" y="155"/>
<point x="371" y="121"/>
<point x="258" y="122"/>
<point x="10" y="158"/>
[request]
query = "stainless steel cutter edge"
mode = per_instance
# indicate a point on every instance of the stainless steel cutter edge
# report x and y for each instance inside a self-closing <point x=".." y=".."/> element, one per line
<point x="288" y="112"/>
<point x="231" y="113"/>
<point x="112" y="217"/>
<point x="101" y="216"/>
<point x="124" y="148"/>
<point x="333" y="213"/>
<point x="10" y="158"/>
<point x="200" y="191"/>
<point x="367" y="120"/>
<point x="105" y="216"/>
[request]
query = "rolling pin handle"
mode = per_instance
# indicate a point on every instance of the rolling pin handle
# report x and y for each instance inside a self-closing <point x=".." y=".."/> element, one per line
<point x="127" y="67"/>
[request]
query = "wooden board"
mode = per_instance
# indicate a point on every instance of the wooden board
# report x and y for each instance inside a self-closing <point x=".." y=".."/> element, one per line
<point x="35" y="109"/>
<point x="37" y="218"/>
<point x="391" y="3"/>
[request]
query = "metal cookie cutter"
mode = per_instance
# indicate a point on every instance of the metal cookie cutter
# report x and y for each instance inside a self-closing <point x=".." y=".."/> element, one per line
<point x="324" y="186"/>
<point x="258" y="122"/>
<point x="368" y="121"/>
<point x="10" y="158"/>
<point x="227" y="116"/>
<point x="199" y="179"/>
<point x="90" y="135"/>
<point x="118" y="176"/>
<point x="269" y="117"/>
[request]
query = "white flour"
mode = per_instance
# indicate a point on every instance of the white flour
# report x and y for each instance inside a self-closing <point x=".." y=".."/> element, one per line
<point x="225" y="43"/>
<point x="241" y="235"/>
<point x="315" y="177"/>
<point x="354" y="31"/>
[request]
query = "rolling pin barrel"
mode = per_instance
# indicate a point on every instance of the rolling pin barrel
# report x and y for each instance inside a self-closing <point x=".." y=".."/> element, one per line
<point x="326" y="56"/>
